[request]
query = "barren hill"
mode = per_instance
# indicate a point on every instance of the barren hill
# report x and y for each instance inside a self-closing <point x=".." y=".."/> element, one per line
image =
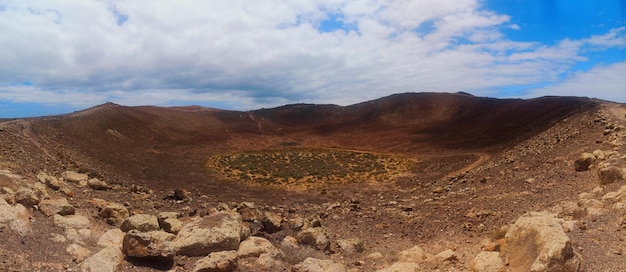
<point x="480" y="163"/>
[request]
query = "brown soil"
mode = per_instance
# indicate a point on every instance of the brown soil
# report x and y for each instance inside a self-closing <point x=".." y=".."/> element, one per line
<point x="482" y="163"/>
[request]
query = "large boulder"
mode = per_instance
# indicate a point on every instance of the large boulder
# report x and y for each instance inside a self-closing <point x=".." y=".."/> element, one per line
<point x="152" y="245"/>
<point x="537" y="242"/>
<point x="56" y="206"/>
<point x="317" y="265"/>
<point x="218" y="232"/>
<point x="140" y="222"/>
<point x="223" y="261"/>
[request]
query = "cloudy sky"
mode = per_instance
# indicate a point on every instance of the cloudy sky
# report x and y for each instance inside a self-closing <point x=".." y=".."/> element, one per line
<point x="61" y="56"/>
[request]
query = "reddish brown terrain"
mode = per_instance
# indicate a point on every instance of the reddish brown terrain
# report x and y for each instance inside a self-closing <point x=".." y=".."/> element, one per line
<point x="480" y="164"/>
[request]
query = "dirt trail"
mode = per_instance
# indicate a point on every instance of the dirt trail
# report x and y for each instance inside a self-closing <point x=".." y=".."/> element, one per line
<point x="482" y="157"/>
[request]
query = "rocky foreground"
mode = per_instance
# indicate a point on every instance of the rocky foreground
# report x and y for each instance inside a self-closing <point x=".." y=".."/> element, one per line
<point x="74" y="221"/>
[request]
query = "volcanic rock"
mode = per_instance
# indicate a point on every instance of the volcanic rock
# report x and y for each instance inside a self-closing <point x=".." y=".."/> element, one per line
<point x="218" y="232"/>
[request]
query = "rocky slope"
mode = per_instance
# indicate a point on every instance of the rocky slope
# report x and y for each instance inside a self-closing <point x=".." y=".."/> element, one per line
<point x="501" y="185"/>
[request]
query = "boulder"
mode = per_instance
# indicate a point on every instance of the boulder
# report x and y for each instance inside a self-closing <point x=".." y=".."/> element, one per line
<point x="222" y="261"/>
<point x="317" y="265"/>
<point x="140" y="222"/>
<point x="112" y="237"/>
<point x="248" y="212"/>
<point x="168" y="221"/>
<point x="151" y="244"/>
<point x="315" y="237"/>
<point x="114" y="213"/>
<point x="56" y="206"/>
<point x="97" y="184"/>
<point x="106" y="260"/>
<point x="272" y="222"/>
<point x="583" y="162"/>
<point x="26" y="197"/>
<point x="609" y="174"/>
<point x="255" y="246"/>
<point x="599" y="154"/>
<point x="15" y="216"/>
<point x="74" y="177"/>
<point x="71" y="221"/>
<point x="51" y="181"/>
<point x="218" y="232"/>
<point x="488" y="261"/>
<point x="537" y="242"/>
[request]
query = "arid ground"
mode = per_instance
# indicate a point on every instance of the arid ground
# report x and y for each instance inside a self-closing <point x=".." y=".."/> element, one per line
<point x="441" y="171"/>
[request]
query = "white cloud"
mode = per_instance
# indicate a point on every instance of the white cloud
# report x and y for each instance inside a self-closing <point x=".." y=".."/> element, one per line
<point x="604" y="81"/>
<point x="264" y="53"/>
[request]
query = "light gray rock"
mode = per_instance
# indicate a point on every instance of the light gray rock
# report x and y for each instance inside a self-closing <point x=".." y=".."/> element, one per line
<point x="403" y="267"/>
<point x="537" y="242"/>
<point x="140" y="222"/>
<point x="56" y="206"/>
<point x="106" y="260"/>
<point x="222" y="261"/>
<point x="112" y="237"/>
<point x="152" y="244"/>
<point x="488" y="261"/>
<point x="317" y="265"/>
<point x="71" y="221"/>
<point x="255" y="246"/>
<point x="74" y="177"/>
<point x="168" y="221"/>
<point x="218" y="232"/>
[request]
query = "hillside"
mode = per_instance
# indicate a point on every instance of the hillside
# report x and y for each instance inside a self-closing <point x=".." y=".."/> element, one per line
<point x="477" y="164"/>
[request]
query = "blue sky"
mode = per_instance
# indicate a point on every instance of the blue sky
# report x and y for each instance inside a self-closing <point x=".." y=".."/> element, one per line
<point x="62" y="56"/>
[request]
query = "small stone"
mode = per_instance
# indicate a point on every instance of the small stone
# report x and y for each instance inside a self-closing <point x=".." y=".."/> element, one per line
<point x="140" y="222"/>
<point x="56" y="206"/>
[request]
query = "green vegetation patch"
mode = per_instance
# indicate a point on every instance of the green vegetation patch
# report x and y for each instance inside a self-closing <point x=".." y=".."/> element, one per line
<point x="308" y="167"/>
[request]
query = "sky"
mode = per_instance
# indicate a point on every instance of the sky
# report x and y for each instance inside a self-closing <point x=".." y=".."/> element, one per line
<point x="61" y="56"/>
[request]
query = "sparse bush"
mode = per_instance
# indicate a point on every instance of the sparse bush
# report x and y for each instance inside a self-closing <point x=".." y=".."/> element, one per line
<point x="307" y="166"/>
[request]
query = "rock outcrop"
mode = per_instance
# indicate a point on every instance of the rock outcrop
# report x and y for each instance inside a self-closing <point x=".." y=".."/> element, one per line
<point x="217" y="232"/>
<point x="537" y="242"/>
